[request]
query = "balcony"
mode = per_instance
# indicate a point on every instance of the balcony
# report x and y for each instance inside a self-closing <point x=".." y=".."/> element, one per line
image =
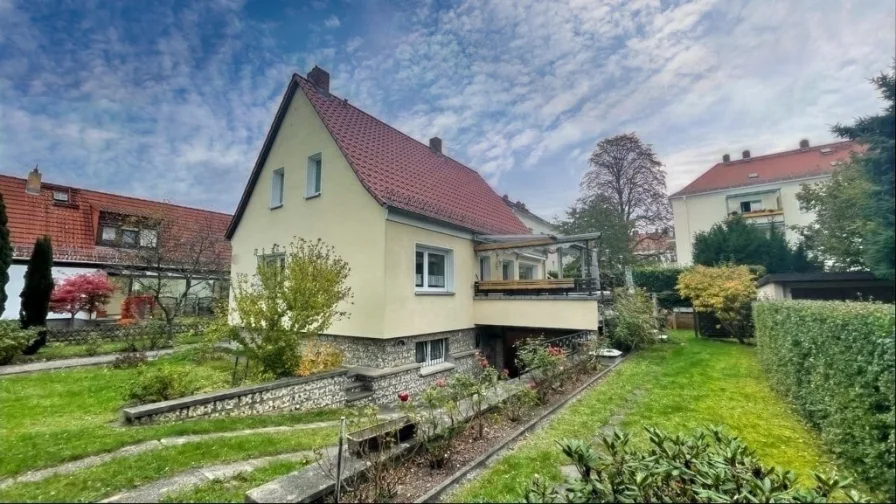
<point x="554" y="286"/>
<point x="565" y="311"/>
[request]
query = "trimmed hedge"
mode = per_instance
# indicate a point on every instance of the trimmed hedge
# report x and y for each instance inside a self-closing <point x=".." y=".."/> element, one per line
<point x="836" y="362"/>
<point x="660" y="281"/>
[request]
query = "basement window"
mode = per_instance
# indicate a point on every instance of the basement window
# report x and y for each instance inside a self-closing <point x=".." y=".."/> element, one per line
<point x="432" y="352"/>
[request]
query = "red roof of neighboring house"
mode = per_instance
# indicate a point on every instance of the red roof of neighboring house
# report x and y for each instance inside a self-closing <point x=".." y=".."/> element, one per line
<point x="72" y="227"/>
<point x="788" y="165"/>
<point x="397" y="170"/>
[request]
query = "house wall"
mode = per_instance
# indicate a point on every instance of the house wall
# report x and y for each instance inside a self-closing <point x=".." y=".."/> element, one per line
<point x="770" y="291"/>
<point x="345" y="216"/>
<point x="408" y="312"/>
<point x="519" y="311"/>
<point x="696" y="213"/>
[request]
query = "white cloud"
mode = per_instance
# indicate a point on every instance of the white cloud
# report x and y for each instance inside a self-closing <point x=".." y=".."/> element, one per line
<point x="332" y="22"/>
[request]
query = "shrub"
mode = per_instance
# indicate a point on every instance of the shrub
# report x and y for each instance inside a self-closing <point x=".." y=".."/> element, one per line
<point x="836" y="362"/>
<point x="129" y="360"/>
<point x="14" y="339"/>
<point x="165" y="382"/>
<point x="632" y="324"/>
<point x="92" y="343"/>
<point x="544" y="365"/>
<point x="516" y="406"/>
<point x="476" y="386"/>
<point x="708" y="466"/>
<point x="288" y="300"/>
<point x="435" y="415"/>
<point x="319" y="357"/>
<point x="660" y="281"/>
<point x="726" y="291"/>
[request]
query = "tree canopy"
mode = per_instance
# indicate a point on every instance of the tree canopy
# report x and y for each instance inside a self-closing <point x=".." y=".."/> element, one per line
<point x="878" y="134"/>
<point x="85" y="292"/>
<point x="736" y="241"/>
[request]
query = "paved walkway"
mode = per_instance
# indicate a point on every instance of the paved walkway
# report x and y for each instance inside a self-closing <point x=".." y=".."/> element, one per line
<point x="76" y="362"/>
<point x="76" y="465"/>
<point x="157" y="490"/>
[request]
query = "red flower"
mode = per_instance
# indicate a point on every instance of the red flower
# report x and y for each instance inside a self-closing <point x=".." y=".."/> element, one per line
<point x="404" y="396"/>
<point x="483" y="363"/>
<point x="441" y="383"/>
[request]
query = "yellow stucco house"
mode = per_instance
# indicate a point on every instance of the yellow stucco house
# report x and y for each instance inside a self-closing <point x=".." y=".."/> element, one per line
<point x="440" y="266"/>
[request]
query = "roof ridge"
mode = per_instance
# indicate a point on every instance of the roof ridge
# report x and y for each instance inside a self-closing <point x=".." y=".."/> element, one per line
<point x="375" y="118"/>
<point x="107" y="193"/>
<point x="784" y="153"/>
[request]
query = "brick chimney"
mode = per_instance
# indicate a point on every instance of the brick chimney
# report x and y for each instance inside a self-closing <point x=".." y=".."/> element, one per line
<point x="746" y="154"/>
<point x="32" y="185"/>
<point x="435" y="143"/>
<point x="320" y="78"/>
<point x="726" y="158"/>
<point x="804" y="144"/>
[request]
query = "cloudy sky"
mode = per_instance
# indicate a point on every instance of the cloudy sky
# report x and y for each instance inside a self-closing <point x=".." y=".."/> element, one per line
<point x="172" y="100"/>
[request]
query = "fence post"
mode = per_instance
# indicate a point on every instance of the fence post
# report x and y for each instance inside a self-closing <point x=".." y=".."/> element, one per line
<point x="339" y="460"/>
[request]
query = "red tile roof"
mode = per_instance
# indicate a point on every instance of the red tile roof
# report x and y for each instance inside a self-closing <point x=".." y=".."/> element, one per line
<point x="788" y="165"/>
<point x="397" y="170"/>
<point x="73" y="227"/>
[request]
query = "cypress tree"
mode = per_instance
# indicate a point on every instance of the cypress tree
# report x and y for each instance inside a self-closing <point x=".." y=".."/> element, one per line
<point x="38" y="288"/>
<point x="5" y="255"/>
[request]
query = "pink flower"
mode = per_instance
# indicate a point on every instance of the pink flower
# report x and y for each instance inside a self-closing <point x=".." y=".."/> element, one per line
<point x="483" y="363"/>
<point x="532" y="386"/>
<point x="505" y="372"/>
<point x="441" y="383"/>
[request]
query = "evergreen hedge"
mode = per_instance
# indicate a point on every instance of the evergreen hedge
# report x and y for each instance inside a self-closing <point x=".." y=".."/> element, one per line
<point x="836" y="362"/>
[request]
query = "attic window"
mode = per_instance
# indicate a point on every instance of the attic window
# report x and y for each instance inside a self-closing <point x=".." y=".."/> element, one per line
<point x="826" y="150"/>
<point x="835" y="163"/>
<point x="60" y="196"/>
<point x="753" y="175"/>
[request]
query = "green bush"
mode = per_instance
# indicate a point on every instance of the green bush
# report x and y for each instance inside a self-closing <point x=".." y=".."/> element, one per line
<point x="14" y="339"/>
<point x="165" y="382"/>
<point x="836" y="361"/>
<point x="632" y="323"/>
<point x="709" y="466"/>
<point x="660" y="281"/>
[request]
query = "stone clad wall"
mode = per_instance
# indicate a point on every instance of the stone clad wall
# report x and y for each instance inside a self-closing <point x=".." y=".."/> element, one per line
<point x="394" y="352"/>
<point x="387" y="387"/>
<point x="324" y="390"/>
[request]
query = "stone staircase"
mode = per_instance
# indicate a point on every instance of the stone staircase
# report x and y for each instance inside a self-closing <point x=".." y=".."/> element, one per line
<point x="357" y="390"/>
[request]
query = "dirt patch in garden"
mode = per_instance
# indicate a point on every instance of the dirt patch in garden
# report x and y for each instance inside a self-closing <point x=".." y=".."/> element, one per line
<point x="418" y="477"/>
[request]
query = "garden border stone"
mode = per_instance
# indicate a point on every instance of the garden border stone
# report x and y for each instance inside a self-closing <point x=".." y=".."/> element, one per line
<point x="436" y="493"/>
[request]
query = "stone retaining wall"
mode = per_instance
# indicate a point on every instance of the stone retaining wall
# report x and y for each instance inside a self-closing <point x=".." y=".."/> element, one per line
<point x="395" y="352"/>
<point x="324" y="390"/>
<point x="414" y="378"/>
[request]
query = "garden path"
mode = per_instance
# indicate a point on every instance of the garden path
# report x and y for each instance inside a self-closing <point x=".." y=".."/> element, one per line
<point x="97" y="360"/>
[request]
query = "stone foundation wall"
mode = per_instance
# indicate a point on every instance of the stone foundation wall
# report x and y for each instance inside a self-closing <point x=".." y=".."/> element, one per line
<point x="324" y="390"/>
<point x="387" y="387"/>
<point x="395" y="352"/>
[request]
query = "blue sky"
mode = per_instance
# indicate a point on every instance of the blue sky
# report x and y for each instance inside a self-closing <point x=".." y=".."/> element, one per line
<point x="172" y="100"/>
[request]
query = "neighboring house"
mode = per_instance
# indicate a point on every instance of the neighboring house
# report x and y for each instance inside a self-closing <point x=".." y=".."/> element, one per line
<point x="763" y="189"/>
<point x="92" y="230"/>
<point x="656" y="247"/>
<point x="848" y="285"/>
<point x="417" y="228"/>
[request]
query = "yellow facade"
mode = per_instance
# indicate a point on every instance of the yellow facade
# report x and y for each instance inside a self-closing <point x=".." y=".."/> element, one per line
<point x="547" y="313"/>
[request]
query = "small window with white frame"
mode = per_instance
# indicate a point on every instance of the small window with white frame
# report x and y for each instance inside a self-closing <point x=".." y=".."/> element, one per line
<point x="313" y="176"/>
<point x="432" y="351"/>
<point x="273" y="260"/>
<point x="277" y="188"/>
<point x="433" y="269"/>
<point x="527" y="271"/>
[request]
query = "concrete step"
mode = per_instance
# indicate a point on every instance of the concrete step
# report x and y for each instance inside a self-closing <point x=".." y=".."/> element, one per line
<point x="356" y="386"/>
<point x="357" y="396"/>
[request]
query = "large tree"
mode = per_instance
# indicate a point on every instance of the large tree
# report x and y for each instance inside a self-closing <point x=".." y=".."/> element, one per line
<point x="596" y="214"/>
<point x="87" y="292"/>
<point x="736" y="241"/>
<point x="5" y="255"/>
<point x="626" y="173"/>
<point x="837" y="235"/>
<point x="877" y="134"/>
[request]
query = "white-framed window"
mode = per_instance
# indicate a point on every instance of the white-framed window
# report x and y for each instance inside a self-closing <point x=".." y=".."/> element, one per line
<point x="432" y="351"/>
<point x="485" y="268"/>
<point x="130" y="237"/>
<point x="433" y="269"/>
<point x="148" y="237"/>
<point x="313" y="176"/>
<point x="750" y="206"/>
<point x="277" y="188"/>
<point x="110" y="233"/>
<point x="506" y="269"/>
<point x="273" y="259"/>
<point x="527" y="271"/>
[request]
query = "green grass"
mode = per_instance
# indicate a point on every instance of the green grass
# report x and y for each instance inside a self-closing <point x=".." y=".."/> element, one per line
<point x="125" y="473"/>
<point x="56" y="351"/>
<point x="234" y="489"/>
<point x="685" y="384"/>
<point x="53" y="417"/>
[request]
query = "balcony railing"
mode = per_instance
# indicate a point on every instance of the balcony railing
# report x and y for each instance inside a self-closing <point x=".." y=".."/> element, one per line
<point x="556" y="286"/>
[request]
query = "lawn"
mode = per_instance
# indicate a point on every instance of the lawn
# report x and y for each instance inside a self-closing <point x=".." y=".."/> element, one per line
<point x="678" y="386"/>
<point x="55" y="351"/>
<point x="49" y="418"/>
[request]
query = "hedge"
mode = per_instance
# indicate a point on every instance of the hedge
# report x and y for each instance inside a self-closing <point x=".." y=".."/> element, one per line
<point x="836" y="362"/>
<point x="660" y="281"/>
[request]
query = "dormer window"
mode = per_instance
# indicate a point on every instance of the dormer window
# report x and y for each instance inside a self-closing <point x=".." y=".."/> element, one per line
<point x="60" y="196"/>
<point x="123" y="231"/>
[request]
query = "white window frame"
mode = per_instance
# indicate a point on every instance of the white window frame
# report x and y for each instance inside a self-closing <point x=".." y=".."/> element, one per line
<point x="428" y="345"/>
<point x="114" y="236"/>
<point x="278" y="180"/>
<point x="136" y="237"/>
<point x="524" y="264"/>
<point x="449" y="268"/>
<point x="512" y="269"/>
<point x="485" y="274"/>
<point x="279" y="257"/>
<point x="148" y="238"/>
<point x="313" y="175"/>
